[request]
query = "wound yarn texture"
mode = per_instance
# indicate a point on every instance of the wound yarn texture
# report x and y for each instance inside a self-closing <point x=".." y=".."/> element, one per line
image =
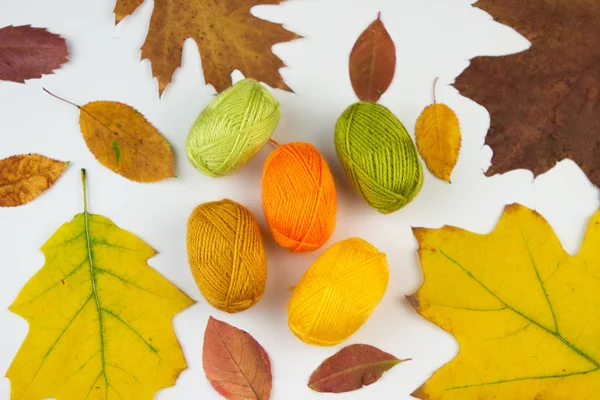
<point x="232" y="128"/>
<point x="378" y="156"/>
<point x="226" y="255"/>
<point x="299" y="197"/>
<point x="338" y="293"/>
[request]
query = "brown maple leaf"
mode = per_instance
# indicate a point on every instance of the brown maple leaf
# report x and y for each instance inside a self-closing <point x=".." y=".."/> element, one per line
<point x="227" y="35"/>
<point x="544" y="102"/>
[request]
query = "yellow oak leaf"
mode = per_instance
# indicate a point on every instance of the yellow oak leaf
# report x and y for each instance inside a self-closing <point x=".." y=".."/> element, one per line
<point x="438" y="139"/>
<point x="124" y="141"/>
<point x="99" y="319"/>
<point x="526" y="314"/>
<point x="25" y="177"/>
<point x="228" y="36"/>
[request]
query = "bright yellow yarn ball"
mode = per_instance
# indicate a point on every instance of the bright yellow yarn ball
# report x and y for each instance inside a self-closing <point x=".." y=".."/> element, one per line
<point x="232" y="128"/>
<point x="299" y="197"/>
<point x="338" y="293"/>
<point x="226" y="255"/>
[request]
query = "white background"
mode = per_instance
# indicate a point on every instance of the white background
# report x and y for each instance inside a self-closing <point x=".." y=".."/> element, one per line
<point x="433" y="38"/>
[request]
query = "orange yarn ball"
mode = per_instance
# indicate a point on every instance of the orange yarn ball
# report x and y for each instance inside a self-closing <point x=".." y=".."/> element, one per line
<point x="299" y="197"/>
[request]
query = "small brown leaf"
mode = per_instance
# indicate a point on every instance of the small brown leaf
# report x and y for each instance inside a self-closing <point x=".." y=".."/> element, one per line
<point x="123" y="140"/>
<point x="24" y="177"/>
<point x="372" y="62"/>
<point x="236" y="365"/>
<point x="27" y="53"/>
<point x="351" y="368"/>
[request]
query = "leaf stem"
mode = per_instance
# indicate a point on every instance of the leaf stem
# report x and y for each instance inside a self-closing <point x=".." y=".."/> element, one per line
<point x="379" y="16"/>
<point x="60" y="98"/>
<point x="84" y="186"/>
<point x="434" y="85"/>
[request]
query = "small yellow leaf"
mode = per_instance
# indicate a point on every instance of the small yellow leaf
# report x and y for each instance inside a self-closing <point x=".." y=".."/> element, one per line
<point x="99" y="319"/>
<point x="24" y="177"/>
<point x="525" y="313"/>
<point x="123" y="140"/>
<point x="438" y="139"/>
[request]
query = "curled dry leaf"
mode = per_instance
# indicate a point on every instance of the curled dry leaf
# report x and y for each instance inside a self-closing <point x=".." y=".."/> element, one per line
<point x="99" y="318"/>
<point x="24" y="177"/>
<point x="123" y="140"/>
<point x="438" y="138"/>
<point x="27" y="53"/>
<point x="524" y="312"/>
<point x="228" y="36"/>
<point x="351" y="368"/>
<point x="236" y="365"/>
<point x="372" y="62"/>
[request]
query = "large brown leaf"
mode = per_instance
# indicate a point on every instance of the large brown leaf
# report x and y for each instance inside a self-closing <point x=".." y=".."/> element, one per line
<point x="236" y="365"/>
<point x="25" y="177"/>
<point x="372" y="62"/>
<point x="543" y="102"/>
<point x="27" y="53"/>
<point x="227" y="35"/>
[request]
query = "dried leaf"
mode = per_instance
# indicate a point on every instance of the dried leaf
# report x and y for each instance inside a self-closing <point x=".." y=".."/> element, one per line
<point x="99" y="319"/>
<point x="228" y="36"/>
<point x="236" y="365"/>
<point x="351" y="368"/>
<point x="524" y="312"/>
<point x="25" y="177"/>
<point x="372" y="62"/>
<point x="544" y="102"/>
<point x="438" y="139"/>
<point x="27" y="53"/>
<point x="123" y="140"/>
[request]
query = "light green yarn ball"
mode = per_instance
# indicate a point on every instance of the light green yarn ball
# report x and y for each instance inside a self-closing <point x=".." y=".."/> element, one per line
<point x="232" y="128"/>
<point x="378" y="156"/>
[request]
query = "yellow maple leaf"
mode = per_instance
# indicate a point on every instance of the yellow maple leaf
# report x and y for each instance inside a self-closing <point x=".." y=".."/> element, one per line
<point x="437" y="134"/>
<point x="228" y="36"/>
<point x="525" y="313"/>
<point x="99" y="319"/>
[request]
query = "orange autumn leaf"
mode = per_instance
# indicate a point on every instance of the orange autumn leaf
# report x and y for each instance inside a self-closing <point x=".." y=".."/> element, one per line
<point x="438" y="138"/>
<point x="25" y="177"/>
<point x="372" y="62"/>
<point x="235" y="364"/>
<point x="228" y="36"/>
<point x="123" y="140"/>
<point x="524" y="312"/>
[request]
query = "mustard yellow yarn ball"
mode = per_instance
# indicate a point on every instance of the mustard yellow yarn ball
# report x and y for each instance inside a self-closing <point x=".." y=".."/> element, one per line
<point x="338" y="293"/>
<point x="232" y="128"/>
<point x="378" y="156"/>
<point x="226" y="255"/>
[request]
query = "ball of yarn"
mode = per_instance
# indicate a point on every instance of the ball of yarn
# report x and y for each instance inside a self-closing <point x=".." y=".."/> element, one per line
<point x="378" y="156"/>
<point x="232" y="128"/>
<point x="226" y="255"/>
<point x="338" y="293"/>
<point x="299" y="197"/>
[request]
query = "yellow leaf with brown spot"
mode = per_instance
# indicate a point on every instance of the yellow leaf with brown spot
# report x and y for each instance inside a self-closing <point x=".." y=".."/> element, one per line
<point x="99" y="319"/>
<point x="228" y="36"/>
<point x="438" y="139"/>
<point x="123" y="140"/>
<point x="525" y="313"/>
<point x="25" y="177"/>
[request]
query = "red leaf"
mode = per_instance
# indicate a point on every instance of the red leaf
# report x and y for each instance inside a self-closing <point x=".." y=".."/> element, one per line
<point x="372" y="62"/>
<point x="236" y="365"/>
<point x="351" y="368"/>
<point x="27" y="53"/>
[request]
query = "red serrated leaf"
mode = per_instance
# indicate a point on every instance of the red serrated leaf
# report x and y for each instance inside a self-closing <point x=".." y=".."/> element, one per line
<point x="27" y="53"/>
<point x="372" y="62"/>
<point x="351" y="368"/>
<point x="236" y="365"/>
